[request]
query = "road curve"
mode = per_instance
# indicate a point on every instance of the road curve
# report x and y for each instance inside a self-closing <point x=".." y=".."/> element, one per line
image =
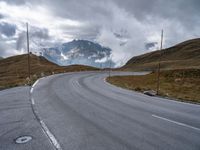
<point x="83" y="112"/>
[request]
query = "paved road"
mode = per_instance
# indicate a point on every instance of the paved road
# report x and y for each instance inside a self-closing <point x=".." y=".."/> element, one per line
<point x="17" y="119"/>
<point x="85" y="113"/>
<point x="80" y="111"/>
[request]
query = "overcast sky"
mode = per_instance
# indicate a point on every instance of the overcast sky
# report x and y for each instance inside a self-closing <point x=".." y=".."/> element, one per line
<point x="128" y="27"/>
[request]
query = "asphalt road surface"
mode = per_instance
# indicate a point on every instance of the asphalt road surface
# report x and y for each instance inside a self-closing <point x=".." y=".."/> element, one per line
<point x="80" y="111"/>
<point x="17" y="119"/>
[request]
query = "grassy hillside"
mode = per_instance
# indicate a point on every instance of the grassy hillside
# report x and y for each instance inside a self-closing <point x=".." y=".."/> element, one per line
<point x="183" y="85"/>
<point x="14" y="70"/>
<point x="181" y="56"/>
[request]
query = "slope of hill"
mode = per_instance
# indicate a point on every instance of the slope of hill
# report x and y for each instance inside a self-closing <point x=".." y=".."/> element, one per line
<point x="183" y="85"/>
<point x="1" y="57"/>
<point x="14" y="70"/>
<point x="181" y="56"/>
<point x="78" y="52"/>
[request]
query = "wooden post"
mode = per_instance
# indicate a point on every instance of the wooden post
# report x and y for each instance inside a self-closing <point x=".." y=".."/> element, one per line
<point x="158" y="75"/>
<point x="29" y="74"/>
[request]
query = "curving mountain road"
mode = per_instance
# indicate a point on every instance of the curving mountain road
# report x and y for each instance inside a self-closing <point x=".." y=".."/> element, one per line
<point x="83" y="112"/>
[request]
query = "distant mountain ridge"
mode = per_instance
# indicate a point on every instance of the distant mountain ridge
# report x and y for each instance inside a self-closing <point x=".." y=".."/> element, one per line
<point x="181" y="56"/>
<point x="79" y="52"/>
<point x="14" y="70"/>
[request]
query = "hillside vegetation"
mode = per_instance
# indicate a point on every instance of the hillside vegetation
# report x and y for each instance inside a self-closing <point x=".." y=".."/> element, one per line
<point x="14" y="70"/>
<point x="183" y="85"/>
<point x="180" y="72"/>
<point x="185" y="55"/>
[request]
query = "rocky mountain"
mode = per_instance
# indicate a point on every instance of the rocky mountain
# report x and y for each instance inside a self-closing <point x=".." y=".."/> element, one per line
<point x="79" y="52"/>
<point x="181" y="56"/>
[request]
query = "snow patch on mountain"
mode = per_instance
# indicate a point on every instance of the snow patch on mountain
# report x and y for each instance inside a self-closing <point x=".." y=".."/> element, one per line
<point x="79" y="52"/>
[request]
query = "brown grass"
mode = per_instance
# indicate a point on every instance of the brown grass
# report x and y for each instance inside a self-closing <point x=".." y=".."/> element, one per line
<point x="14" y="70"/>
<point x="183" y="85"/>
<point x="185" y="55"/>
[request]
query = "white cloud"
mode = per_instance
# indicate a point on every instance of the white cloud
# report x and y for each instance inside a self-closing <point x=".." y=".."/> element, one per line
<point x="103" y="60"/>
<point x="139" y="32"/>
<point x="124" y="26"/>
<point x="37" y="17"/>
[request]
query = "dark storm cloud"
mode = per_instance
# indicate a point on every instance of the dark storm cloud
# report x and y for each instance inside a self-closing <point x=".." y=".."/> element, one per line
<point x="142" y="8"/>
<point x="79" y="9"/>
<point x="7" y="29"/>
<point x="104" y="21"/>
<point x="88" y="32"/>
<point x="150" y="45"/>
<point x="90" y="9"/>
<point x="35" y="35"/>
<point x="1" y="16"/>
<point x="40" y="33"/>
<point x="16" y="2"/>
<point x="184" y="11"/>
<point x="20" y="44"/>
<point x="178" y="18"/>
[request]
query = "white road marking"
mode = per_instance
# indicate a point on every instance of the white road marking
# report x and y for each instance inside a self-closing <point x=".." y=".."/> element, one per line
<point x="178" y="123"/>
<point x="78" y="83"/>
<point x="182" y="102"/>
<point x="35" y="83"/>
<point x="32" y="101"/>
<point x="104" y="80"/>
<point x="31" y="90"/>
<point x="51" y="136"/>
<point x="44" y="127"/>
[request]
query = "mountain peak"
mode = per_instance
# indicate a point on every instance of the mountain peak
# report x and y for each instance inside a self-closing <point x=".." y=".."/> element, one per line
<point x="79" y="52"/>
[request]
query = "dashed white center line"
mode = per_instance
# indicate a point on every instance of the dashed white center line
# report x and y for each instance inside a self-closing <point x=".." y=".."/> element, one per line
<point x="178" y="123"/>
<point x="78" y="83"/>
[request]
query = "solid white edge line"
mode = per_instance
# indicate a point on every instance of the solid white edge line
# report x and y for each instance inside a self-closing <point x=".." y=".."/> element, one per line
<point x="35" y="83"/>
<point x="32" y="101"/>
<point x="44" y="127"/>
<point x="178" y="123"/>
<point x="171" y="100"/>
<point x="32" y="90"/>
<point x="104" y="80"/>
<point x="50" y="135"/>
<point x="111" y="85"/>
